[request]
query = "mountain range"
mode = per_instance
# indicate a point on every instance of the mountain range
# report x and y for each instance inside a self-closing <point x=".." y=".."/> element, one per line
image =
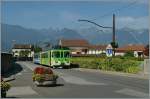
<point x="23" y="35"/>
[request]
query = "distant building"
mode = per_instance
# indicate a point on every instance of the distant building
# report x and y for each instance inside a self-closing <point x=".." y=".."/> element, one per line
<point x="96" y="49"/>
<point x="77" y="46"/>
<point x="18" y="48"/>
<point x="83" y="48"/>
<point x="138" y="50"/>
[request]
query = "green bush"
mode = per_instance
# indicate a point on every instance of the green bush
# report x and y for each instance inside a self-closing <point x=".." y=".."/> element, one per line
<point x="103" y="55"/>
<point x="129" y="54"/>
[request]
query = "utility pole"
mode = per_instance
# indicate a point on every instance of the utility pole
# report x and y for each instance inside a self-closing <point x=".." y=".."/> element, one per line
<point x="114" y="39"/>
<point x="114" y="44"/>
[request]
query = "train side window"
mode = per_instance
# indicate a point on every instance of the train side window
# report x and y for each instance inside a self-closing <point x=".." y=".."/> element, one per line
<point x="66" y="54"/>
<point x="56" y="54"/>
<point x="46" y="55"/>
<point x="42" y="55"/>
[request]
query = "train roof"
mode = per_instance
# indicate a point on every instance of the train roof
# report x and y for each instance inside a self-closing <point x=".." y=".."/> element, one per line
<point x="53" y="49"/>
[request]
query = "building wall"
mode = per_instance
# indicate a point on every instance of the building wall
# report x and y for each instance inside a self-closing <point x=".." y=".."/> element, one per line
<point x="90" y="51"/>
<point x="119" y="54"/>
<point x="135" y="53"/>
<point x="78" y="50"/>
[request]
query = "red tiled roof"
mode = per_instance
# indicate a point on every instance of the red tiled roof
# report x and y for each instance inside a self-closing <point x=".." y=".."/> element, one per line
<point x="102" y="47"/>
<point x="131" y="48"/>
<point x="22" y="46"/>
<point x="74" y="43"/>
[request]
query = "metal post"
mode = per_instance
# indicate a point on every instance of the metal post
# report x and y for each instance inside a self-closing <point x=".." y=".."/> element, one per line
<point x="113" y="39"/>
<point x="113" y="35"/>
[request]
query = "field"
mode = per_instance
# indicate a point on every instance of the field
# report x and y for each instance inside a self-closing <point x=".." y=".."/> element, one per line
<point x="120" y="64"/>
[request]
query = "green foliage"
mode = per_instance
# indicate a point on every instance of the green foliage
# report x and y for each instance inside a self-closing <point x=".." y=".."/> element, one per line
<point x="24" y="53"/>
<point x="114" y="44"/>
<point x="129" y="54"/>
<point x="103" y="55"/>
<point x="109" y="64"/>
<point x="37" y="49"/>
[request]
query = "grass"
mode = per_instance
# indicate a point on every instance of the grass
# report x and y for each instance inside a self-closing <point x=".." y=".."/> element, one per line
<point x="126" y="64"/>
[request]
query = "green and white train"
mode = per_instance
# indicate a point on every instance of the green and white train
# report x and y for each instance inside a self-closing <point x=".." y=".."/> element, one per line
<point x="53" y="58"/>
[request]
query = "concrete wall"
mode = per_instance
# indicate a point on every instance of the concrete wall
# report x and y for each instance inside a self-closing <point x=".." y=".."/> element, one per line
<point x="6" y="62"/>
<point x="146" y="66"/>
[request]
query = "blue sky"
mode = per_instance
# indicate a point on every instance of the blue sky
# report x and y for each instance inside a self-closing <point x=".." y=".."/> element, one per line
<point x="61" y="14"/>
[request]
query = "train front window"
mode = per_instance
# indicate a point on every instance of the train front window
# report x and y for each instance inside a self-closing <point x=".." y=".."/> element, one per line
<point x="56" y="54"/>
<point x="66" y="54"/>
<point x="35" y="56"/>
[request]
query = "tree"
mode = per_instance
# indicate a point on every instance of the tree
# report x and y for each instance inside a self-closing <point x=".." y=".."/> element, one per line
<point x="24" y="53"/>
<point x="114" y="46"/>
<point x="37" y="49"/>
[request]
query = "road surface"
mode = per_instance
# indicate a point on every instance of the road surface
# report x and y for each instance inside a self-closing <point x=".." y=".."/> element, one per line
<point x="73" y="83"/>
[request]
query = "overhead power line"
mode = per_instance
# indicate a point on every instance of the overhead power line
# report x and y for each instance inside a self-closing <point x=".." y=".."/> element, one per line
<point x="94" y="23"/>
<point x="116" y="10"/>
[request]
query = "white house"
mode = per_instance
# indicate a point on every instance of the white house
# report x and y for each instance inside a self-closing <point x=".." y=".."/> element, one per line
<point x="96" y="49"/>
<point x="138" y="50"/>
<point x="17" y="48"/>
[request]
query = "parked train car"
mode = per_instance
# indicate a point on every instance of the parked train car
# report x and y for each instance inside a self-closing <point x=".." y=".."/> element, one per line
<point x="54" y="58"/>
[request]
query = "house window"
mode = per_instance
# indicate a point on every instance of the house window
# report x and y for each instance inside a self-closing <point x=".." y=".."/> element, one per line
<point x="140" y="54"/>
<point x="78" y="52"/>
